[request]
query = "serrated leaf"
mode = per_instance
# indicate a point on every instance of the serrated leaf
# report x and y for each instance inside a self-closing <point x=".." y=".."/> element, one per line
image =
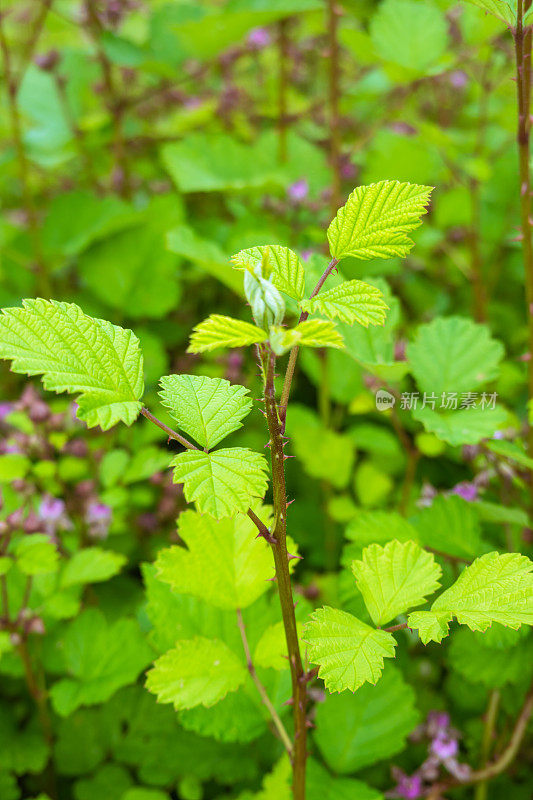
<point x="356" y="730"/>
<point x="498" y="587"/>
<point x="431" y="627"/>
<point x="395" y="578"/>
<point x="221" y="482"/>
<point x="348" y="651"/>
<point x="491" y="667"/>
<point x="278" y="263"/>
<point x="499" y="9"/>
<point x="75" y="353"/>
<point x="450" y="525"/>
<point x="206" y="408"/>
<point x="224" y="564"/>
<point x="239" y="717"/>
<point x="196" y="672"/>
<point x="319" y="333"/>
<point x="352" y="301"/>
<point x="376" y="219"/>
<point x="91" y="565"/>
<point x="220" y="331"/>
<point x="453" y="354"/>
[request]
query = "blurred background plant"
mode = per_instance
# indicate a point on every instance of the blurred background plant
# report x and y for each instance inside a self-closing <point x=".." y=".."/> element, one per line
<point x="143" y="144"/>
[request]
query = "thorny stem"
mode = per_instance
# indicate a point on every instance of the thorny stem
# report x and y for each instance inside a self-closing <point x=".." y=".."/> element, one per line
<point x="333" y="12"/>
<point x="280" y="727"/>
<point x="522" y="40"/>
<point x="16" y="131"/>
<point x="289" y="374"/>
<point x="488" y="733"/>
<point x="281" y="561"/>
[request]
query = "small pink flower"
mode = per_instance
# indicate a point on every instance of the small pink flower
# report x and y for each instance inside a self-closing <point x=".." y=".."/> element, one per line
<point x="445" y="747"/>
<point x="298" y="191"/>
<point x="258" y="38"/>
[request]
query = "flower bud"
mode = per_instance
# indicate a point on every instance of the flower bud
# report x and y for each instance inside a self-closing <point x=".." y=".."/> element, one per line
<point x="268" y="306"/>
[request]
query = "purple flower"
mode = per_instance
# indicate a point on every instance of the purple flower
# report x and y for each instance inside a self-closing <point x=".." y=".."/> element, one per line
<point x="458" y="79"/>
<point x="258" y="38"/>
<point x="5" y="409"/>
<point x="466" y="490"/>
<point x="444" y="747"/>
<point x="306" y="254"/>
<point x="51" y="509"/>
<point x="498" y="435"/>
<point x="298" y="190"/>
<point x="408" y="787"/>
<point x="97" y="513"/>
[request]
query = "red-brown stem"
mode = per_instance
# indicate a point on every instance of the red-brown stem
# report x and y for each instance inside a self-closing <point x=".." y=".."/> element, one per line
<point x="170" y="433"/>
<point x="289" y="374"/>
<point x="333" y="12"/>
<point x="281" y="561"/>
<point x="522" y="40"/>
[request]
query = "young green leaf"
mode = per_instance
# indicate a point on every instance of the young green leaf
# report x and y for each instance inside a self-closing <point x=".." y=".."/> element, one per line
<point x="498" y="587"/>
<point x="75" y="353"/>
<point x="206" y="408"/>
<point x="219" y="331"/>
<point x="376" y="219"/>
<point x="278" y="263"/>
<point x="348" y="651"/>
<point x="394" y="578"/>
<point x="36" y="555"/>
<point x="499" y="9"/>
<point x="319" y="333"/>
<point x="196" y="672"/>
<point x="91" y="565"/>
<point x="222" y="482"/>
<point x="224" y="563"/>
<point x="352" y="301"/>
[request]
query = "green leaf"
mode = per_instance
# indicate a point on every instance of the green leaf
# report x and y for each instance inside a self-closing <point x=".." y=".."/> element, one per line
<point x="514" y="452"/>
<point x="493" y="667"/>
<point x="348" y="651"/>
<point x="376" y="219"/>
<point x="318" y="333"/>
<point x="431" y="627"/>
<point x="352" y="301"/>
<point x="466" y="426"/>
<point x="450" y="525"/>
<point x="207" y="254"/>
<point x="219" y="331"/>
<point x="78" y="354"/>
<point x="323" y="786"/>
<point x="206" y="408"/>
<point x="324" y="454"/>
<point x="99" y="659"/>
<point x="239" y="717"/>
<point x="91" y="565"/>
<point x="395" y="578"/>
<point x="22" y="746"/>
<point x="498" y="587"/>
<point x="278" y="263"/>
<point x="13" y="466"/>
<point x="196" y="672"/>
<point x="271" y="649"/>
<point x="356" y="730"/>
<point x="36" y="555"/>
<point x="453" y="355"/>
<point x="499" y="9"/>
<point x="410" y="34"/>
<point x="224" y="563"/>
<point x="222" y="482"/>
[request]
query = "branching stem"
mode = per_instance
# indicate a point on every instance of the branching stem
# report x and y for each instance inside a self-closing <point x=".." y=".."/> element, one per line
<point x="171" y="434"/>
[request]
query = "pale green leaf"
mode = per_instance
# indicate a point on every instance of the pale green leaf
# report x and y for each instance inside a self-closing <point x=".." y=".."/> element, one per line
<point x="453" y="355"/>
<point x="196" y="672"/>
<point x="410" y="35"/>
<point x="498" y="587"/>
<point x="450" y="525"/>
<point x="465" y="426"/>
<point x="395" y="578"/>
<point x="278" y="263"/>
<point x="356" y="730"/>
<point x="91" y="565"/>
<point x="376" y="219"/>
<point x="271" y="649"/>
<point x="283" y="339"/>
<point x="511" y="450"/>
<point x="219" y="331"/>
<point x="221" y="482"/>
<point x="36" y="555"/>
<point x="75" y="353"/>
<point x="431" y="627"/>
<point x="224" y="562"/>
<point x="206" y="408"/>
<point x="499" y="9"/>
<point x="348" y="651"/>
<point x="352" y="301"/>
<point x="319" y="333"/>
